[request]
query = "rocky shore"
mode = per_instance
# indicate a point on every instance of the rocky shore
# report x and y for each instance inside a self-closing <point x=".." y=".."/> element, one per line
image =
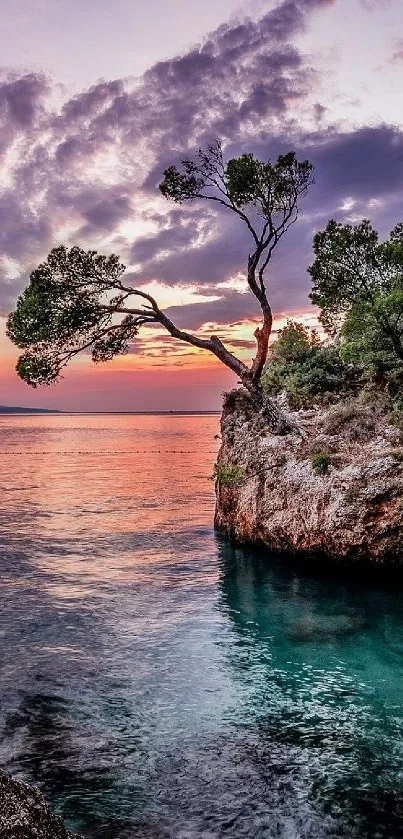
<point x="24" y="813"/>
<point x="334" y="491"/>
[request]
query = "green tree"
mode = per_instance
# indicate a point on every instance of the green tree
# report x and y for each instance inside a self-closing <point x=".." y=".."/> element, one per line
<point x="265" y="196"/>
<point x="365" y="345"/>
<point x="294" y="342"/>
<point x="353" y="272"/>
<point x="77" y="301"/>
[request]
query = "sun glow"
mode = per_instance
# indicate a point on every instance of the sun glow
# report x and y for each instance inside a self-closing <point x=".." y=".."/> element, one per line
<point x="176" y="295"/>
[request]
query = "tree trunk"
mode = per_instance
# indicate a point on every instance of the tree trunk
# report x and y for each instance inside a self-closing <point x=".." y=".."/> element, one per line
<point x="250" y="378"/>
<point x="277" y="421"/>
<point x="262" y="335"/>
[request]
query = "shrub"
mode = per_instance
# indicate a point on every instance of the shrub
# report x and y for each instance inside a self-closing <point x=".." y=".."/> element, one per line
<point x="397" y="405"/>
<point x="228" y="475"/>
<point x="397" y="455"/>
<point x="305" y="370"/>
<point x="372" y="397"/>
<point x="294" y="342"/>
<point x="321" y="462"/>
<point x="396" y="418"/>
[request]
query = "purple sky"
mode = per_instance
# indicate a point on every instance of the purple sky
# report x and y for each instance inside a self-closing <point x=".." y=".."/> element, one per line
<point x="94" y="104"/>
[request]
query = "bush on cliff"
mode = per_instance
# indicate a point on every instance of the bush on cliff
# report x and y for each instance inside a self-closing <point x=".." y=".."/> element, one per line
<point x="358" y="287"/>
<point x="321" y="462"/>
<point x="305" y="369"/>
<point x="229" y="474"/>
<point x="370" y="350"/>
<point x="351" y="421"/>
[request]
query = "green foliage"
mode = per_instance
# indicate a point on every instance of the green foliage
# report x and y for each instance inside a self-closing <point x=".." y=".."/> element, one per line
<point x="294" y="342"/>
<point x="228" y="475"/>
<point x="243" y="182"/>
<point x="354" y="276"/>
<point x="304" y="369"/>
<point x="180" y="186"/>
<point x="365" y="344"/>
<point x="397" y="455"/>
<point x="321" y="462"/>
<point x="68" y="307"/>
<point x="269" y="186"/>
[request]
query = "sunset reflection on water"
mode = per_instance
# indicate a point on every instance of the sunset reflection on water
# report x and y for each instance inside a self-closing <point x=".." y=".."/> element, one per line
<point x="80" y="480"/>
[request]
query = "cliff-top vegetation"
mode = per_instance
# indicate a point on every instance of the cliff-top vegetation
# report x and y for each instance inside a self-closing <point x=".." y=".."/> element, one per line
<point x="358" y="288"/>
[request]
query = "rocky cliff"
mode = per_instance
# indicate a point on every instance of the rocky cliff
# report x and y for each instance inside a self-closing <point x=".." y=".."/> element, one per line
<point x="333" y="491"/>
<point x="24" y="813"/>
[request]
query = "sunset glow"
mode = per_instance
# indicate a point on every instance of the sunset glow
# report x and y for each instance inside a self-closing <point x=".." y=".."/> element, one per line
<point x="81" y="164"/>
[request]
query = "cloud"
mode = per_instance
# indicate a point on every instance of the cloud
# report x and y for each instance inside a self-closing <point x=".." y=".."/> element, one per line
<point x="21" y="98"/>
<point x="106" y="214"/>
<point x="76" y="173"/>
<point x="88" y="172"/>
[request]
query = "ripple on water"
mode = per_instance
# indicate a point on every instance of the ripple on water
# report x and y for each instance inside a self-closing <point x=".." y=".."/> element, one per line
<point x="158" y="682"/>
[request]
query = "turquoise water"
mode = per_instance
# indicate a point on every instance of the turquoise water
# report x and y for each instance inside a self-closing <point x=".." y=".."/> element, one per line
<point x="157" y="681"/>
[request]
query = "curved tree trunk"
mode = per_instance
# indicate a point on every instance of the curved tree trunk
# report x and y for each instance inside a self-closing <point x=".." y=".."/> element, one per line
<point x="262" y="335"/>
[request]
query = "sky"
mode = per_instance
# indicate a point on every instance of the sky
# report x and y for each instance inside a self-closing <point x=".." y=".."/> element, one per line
<point x="97" y="98"/>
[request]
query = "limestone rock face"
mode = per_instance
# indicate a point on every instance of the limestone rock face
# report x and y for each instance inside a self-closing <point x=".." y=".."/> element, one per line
<point x="24" y="813"/>
<point x="352" y="510"/>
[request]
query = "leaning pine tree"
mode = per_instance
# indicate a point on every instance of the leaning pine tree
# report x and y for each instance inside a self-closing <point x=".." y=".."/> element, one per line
<point x="77" y="301"/>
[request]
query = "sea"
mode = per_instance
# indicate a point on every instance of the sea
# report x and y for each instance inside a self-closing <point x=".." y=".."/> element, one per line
<point x="159" y="681"/>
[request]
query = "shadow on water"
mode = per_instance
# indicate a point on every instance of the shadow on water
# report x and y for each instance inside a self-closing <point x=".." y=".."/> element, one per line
<point x="321" y="660"/>
<point x="82" y="779"/>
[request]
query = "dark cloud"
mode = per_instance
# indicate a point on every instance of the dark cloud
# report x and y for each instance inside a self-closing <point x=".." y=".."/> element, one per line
<point x="84" y="106"/>
<point x="20" y="99"/>
<point x="367" y="163"/>
<point x="21" y="106"/>
<point x="104" y="215"/>
<point x="226" y="310"/>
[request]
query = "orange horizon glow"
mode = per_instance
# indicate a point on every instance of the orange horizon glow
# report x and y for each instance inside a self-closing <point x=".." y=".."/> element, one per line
<point x="172" y="376"/>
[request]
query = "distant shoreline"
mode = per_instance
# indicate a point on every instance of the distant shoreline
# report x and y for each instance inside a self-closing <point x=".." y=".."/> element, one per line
<point x="11" y="411"/>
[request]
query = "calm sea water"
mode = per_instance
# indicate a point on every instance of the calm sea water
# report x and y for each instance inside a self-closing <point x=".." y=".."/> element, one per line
<point x="156" y="681"/>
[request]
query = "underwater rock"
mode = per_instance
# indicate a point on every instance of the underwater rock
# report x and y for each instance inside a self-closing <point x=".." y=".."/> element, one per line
<point x="24" y="813"/>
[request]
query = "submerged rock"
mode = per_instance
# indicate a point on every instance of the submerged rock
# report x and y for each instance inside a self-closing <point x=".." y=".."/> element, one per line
<point x="24" y="813"/>
<point x="333" y="491"/>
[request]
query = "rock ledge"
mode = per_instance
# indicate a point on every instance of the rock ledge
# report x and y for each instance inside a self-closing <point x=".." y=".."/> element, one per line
<point x="353" y="512"/>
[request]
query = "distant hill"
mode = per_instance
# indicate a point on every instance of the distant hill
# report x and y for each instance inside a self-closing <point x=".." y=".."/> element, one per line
<point x="13" y="409"/>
